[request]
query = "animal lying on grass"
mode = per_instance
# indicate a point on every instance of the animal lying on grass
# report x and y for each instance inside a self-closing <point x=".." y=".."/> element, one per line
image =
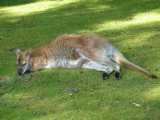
<point x="76" y="51"/>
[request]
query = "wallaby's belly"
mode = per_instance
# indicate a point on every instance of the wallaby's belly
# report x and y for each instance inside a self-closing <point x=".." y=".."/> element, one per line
<point x="63" y="63"/>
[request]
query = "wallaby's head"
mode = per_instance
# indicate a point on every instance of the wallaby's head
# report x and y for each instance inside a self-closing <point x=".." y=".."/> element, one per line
<point x="23" y="61"/>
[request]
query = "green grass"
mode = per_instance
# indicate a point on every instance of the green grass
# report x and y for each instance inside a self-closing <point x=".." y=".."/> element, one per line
<point x="132" y="26"/>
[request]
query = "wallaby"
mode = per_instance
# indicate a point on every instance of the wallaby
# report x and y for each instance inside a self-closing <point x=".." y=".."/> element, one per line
<point x="76" y="51"/>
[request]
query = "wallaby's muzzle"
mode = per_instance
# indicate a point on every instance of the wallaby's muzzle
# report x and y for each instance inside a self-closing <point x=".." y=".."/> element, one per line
<point x="21" y="72"/>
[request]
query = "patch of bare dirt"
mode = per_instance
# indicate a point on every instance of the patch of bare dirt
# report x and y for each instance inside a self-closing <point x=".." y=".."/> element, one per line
<point x="5" y="79"/>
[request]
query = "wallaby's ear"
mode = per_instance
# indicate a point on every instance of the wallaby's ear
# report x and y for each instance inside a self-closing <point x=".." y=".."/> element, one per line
<point x="28" y="52"/>
<point x="17" y="51"/>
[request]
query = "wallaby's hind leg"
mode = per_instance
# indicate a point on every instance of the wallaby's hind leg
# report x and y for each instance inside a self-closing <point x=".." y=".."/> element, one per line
<point x="111" y="64"/>
<point x="97" y="66"/>
<point x="106" y="65"/>
<point x="99" y="56"/>
<point x="116" y="70"/>
<point x="100" y="67"/>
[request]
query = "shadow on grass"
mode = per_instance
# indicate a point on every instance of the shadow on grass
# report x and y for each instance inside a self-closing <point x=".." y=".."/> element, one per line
<point x="91" y="13"/>
<point x="5" y="3"/>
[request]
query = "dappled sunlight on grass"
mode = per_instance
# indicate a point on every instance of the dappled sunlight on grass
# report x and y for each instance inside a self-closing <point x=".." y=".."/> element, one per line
<point x="139" y="19"/>
<point x="142" y="39"/>
<point x="15" y="97"/>
<point x="23" y="10"/>
<point x="153" y="94"/>
<point x="131" y="26"/>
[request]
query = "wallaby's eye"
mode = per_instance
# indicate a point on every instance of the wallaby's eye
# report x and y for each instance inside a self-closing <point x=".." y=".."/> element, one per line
<point x="24" y="63"/>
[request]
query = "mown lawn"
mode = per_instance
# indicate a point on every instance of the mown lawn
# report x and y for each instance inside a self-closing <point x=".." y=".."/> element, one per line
<point x="80" y="94"/>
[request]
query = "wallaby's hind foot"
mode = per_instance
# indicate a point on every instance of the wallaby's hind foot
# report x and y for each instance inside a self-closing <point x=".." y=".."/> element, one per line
<point x="105" y="76"/>
<point x="118" y="75"/>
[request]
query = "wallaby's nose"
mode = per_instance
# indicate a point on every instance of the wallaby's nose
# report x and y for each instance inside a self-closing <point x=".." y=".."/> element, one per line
<point x="20" y="72"/>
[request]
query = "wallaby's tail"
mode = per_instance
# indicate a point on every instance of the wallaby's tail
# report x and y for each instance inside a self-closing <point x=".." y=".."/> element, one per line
<point x="120" y="59"/>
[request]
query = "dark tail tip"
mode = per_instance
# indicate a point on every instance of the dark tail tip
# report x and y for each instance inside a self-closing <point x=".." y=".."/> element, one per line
<point x="154" y="77"/>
